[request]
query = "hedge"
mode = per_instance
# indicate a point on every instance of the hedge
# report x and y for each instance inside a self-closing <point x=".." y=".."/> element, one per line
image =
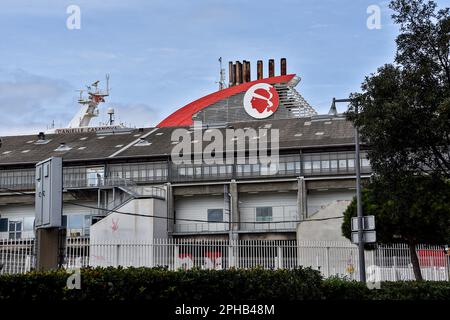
<point x="341" y="289"/>
<point x="158" y="284"/>
<point x="131" y="284"/>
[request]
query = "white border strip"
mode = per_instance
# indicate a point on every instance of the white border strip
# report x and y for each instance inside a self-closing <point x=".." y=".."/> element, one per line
<point x="132" y="143"/>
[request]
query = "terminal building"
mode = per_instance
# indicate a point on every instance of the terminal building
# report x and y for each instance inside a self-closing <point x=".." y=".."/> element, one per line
<point x="122" y="183"/>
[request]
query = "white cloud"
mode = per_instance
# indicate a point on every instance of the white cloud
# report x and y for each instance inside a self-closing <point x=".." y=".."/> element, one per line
<point x="30" y="102"/>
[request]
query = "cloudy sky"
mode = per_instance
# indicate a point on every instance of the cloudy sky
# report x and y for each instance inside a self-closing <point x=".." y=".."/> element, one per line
<point x="163" y="54"/>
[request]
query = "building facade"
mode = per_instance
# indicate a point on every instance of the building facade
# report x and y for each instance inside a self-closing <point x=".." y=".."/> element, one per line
<point x="125" y="183"/>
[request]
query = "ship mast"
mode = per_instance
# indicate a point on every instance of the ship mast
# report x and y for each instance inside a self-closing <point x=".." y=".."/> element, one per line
<point x="89" y="104"/>
<point x="222" y="76"/>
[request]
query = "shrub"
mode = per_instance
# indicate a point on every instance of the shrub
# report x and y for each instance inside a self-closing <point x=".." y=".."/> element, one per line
<point x="115" y="284"/>
<point x="159" y="284"/>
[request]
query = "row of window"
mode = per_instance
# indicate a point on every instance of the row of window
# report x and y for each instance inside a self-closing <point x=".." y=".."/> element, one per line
<point x="77" y="225"/>
<point x="262" y="214"/>
<point x="318" y="163"/>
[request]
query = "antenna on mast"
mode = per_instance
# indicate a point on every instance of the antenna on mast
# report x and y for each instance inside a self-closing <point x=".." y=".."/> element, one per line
<point x="222" y="76"/>
<point x="107" y="83"/>
<point x="89" y="103"/>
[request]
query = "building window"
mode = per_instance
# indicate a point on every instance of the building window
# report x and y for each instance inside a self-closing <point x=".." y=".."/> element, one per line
<point x="4" y="225"/>
<point x="215" y="215"/>
<point x="264" y="214"/>
<point x="95" y="176"/>
<point x="77" y="225"/>
<point x="15" y="230"/>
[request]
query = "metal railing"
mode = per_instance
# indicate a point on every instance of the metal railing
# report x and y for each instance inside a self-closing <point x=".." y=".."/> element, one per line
<point x="390" y="262"/>
<point x="308" y="164"/>
<point x="17" y="256"/>
<point x="270" y="226"/>
<point x="201" y="227"/>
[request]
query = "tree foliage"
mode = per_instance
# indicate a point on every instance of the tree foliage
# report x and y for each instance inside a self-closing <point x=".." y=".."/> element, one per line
<point x="404" y="108"/>
<point x="410" y="209"/>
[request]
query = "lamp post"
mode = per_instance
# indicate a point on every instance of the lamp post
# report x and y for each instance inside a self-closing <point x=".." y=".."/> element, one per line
<point x="359" y="210"/>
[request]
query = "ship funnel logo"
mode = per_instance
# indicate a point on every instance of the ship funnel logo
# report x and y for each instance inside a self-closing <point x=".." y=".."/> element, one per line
<point x="261" y="100"/>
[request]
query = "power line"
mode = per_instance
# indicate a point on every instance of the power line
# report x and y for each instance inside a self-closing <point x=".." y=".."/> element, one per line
<point x="180" y="219"/>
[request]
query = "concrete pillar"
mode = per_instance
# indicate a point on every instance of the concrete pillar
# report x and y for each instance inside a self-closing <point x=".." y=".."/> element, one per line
<point x="235" y="216"/>
<point x="49" y="248"/>
<point x="170" y="208"/>
<point x="301" y="198"/>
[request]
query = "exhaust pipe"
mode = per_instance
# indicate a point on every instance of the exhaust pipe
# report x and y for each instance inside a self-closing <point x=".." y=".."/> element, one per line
<point x="259" y="71"/>
<point x="271" y="68"/>
<point x="244" y="71"/>
<point x="283" y="66"/>
<point x="231" y="74"/>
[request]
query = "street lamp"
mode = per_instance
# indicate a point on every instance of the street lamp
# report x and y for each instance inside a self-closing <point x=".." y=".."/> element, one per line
<point x="362" y="262"/>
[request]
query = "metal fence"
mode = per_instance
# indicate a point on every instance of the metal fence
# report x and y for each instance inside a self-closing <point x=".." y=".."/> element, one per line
<point x="17" y="256"/>
<point x="389" y="262"/>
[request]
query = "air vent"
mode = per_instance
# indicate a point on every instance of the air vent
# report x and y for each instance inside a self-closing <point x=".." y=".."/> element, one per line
<point x="63" y="147"/>
<point x="142" y="142"/>
<point x="42" y="139"/>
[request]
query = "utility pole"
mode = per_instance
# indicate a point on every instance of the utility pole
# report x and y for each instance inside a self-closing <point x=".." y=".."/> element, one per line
<point x="359" y="210"/>
<point x="362" y="260"/>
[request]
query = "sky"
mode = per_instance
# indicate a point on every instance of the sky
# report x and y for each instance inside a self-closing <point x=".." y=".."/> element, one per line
<point x="162" y="55"/>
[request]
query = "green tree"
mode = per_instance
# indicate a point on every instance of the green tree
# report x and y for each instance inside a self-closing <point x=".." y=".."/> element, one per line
<point x="404" y="108"/>
<point x="404" y="118"/>
<point x="411" y="209"/>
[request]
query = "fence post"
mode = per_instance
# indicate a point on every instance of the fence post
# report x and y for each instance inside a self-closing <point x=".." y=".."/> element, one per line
<point x="328" y="262"/>
<point x="176" y="252"/>
<point x="279" y="264"/>
<point x="231" y="261"/>
<point x="394" y="266"/>
<point x="117" y="255"/>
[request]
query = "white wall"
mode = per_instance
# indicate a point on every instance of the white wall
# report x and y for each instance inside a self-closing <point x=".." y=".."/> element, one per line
<point x="284" y="208"/>
<point x="318" y="199"/>
<point x="120" y="231"/>
<point x="19" y="212"/>
<point x="196" y="207"/>
<point x="328" y="229"/>
<point x="118" y="226"/>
